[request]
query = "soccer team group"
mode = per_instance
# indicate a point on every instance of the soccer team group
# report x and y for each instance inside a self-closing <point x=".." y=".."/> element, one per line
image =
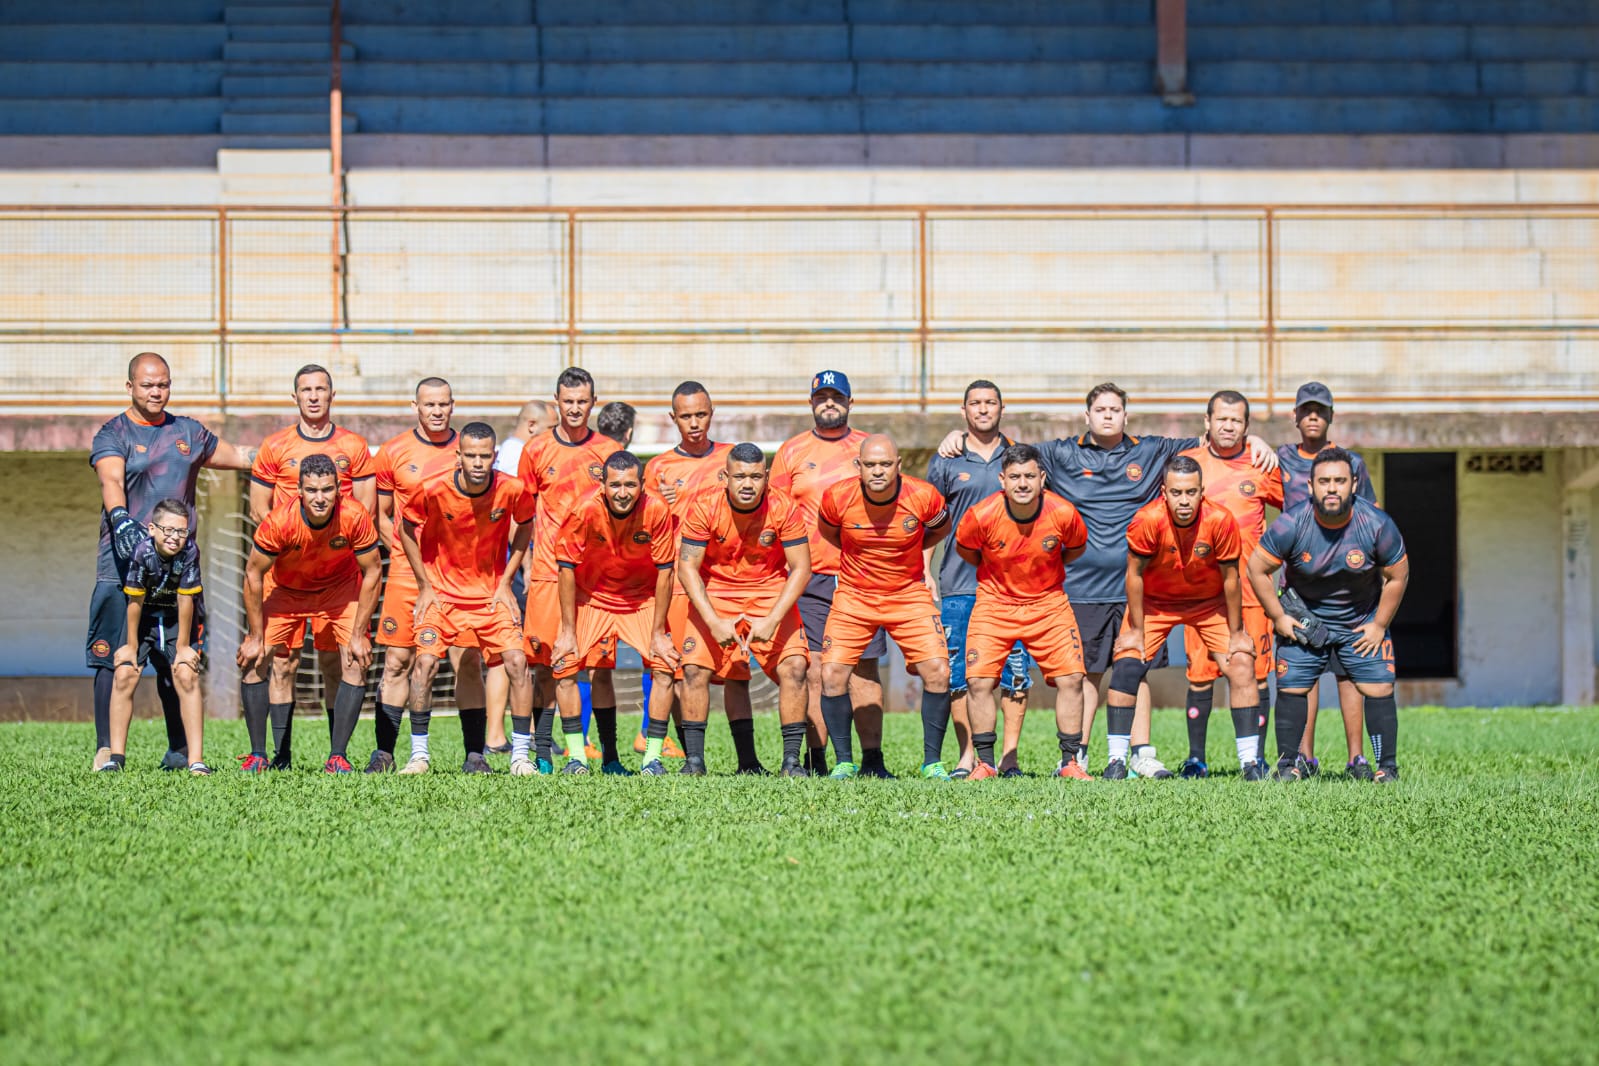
<point x="526" y="562"/>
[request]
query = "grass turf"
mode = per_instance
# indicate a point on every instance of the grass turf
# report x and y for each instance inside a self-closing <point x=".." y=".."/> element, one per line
<point x="294" y="916"/>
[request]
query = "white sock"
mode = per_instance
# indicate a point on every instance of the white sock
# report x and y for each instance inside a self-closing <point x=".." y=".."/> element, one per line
<point x="419" y="746"/>
<point x="1248" y="750"/>
<point x="1119" y="746"/>
<point x="519" y="745"/>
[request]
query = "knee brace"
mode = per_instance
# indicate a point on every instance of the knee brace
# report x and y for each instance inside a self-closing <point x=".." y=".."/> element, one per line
<point x="1125" y="675"/>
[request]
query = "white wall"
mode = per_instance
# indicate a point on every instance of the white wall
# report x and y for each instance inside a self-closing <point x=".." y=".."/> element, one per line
<point x="47" y="543"/>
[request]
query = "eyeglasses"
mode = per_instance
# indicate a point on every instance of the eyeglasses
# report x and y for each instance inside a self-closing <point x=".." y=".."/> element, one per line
<point x="172" y="532"/>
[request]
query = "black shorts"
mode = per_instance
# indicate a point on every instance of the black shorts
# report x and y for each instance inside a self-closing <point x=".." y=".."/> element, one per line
<point x="815" y="603"/>
<point x="519" y="590"/>
<point x="1099" y="624"/>
<point x="158" y="630"/>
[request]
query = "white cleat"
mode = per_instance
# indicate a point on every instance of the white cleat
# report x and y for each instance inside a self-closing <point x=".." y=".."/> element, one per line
<point x="524" y="767"/>
<point x="416" y="766"/>
<point x="1144" y="764"/>
<point x="101" y="757"/>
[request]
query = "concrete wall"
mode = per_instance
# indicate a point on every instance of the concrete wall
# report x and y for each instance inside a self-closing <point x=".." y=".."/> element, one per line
<point x="47" y="543"/>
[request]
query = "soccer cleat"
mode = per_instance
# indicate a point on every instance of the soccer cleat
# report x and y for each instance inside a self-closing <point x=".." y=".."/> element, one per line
<point x="1359" y="769"/>
<point x="1115" y="770"/>
<point x="879" y="771"/>
<point x="960" y="773"/>
<point x="1386" y="775"/>
<point x="1289" y="770"/>
<point x="845" y="771"/>
<point x="109" y="767"/>
<point x="337" y="764"/>
<point x="199" y="769"/>
<point x="1144" y="764"/>
<point x="475" y="763"/>
<point x="757" y="770"/>
<point x="591" y="753"/>
<point x="523" y="768"/>
<point x="1082" y="759"/>
<point x="1193" y="769"/>
<point x="282" y="761"/>
<point x="1254" y="771"/>
<point x="497" y="749"/>
<point x="575" y="766"/>
<point x="693" y="767"/>
<point x="816" y="763"/>
<point x="1072" y="770"/>
<point x="416" y="766"/>
<point x="382" y="762"/>
<point x="653" y="768"/>
<point x="640" y="744"/>
<point x="1312" y="765"/>
<point x="981" y="772"/>
<point x="934" y="771"/>
<point x="545" y="766"/>
<point x="175" y="759"/>
<point x="792" y="768"/>
<point x="1012" y="771"/>
<point x="615" y="769"/>
<point x="670" y="750"/>
<point x="253" y="763"/>
<point x="101" y="757"/>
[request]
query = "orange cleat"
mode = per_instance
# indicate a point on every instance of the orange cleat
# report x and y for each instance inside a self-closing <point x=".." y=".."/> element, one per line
<point x="1073" y="771"/>
<point x="669" y="748"/>
<point x="982" y="772"/>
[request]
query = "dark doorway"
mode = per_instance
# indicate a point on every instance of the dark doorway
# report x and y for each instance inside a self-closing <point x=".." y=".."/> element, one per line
<point x="1419" y="492"/>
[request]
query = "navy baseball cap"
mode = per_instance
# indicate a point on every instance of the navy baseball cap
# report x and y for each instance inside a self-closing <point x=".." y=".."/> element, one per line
<point x="830" y="379"/>
<point x="1313" y="392"/>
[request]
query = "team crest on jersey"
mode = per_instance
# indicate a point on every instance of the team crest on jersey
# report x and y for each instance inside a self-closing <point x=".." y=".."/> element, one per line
<point x="827" y="642"/>
<point x="182" y="446"/>
<point x="641" y="537"/>
<point x="100" y="648"/>
<point x="971" y="656"/>
<point x="1050" y="543"/>
<point x="141" y="449"/>
<point x="963" y="476"/>
<point x="1201" y="549"/>
<point x="390" y="625"/>
<point x="342" y="462"/>
<point x="1305" y="558"/>
<point x="767" y="538"/>
<point x="1282" y="667"/>
<point x="533" y="642"/>
<point x="496" y="514"/>
<point x="427" y="637"/>
<point x="1355" y="559"/>
<point x="909" y="525"/>
<point x="339" y="542"/>
<point x="1135" y="472"/>
<point x="597" y="471"/>
<point x="689" y="644"/>
<point x="1246" y="488"/>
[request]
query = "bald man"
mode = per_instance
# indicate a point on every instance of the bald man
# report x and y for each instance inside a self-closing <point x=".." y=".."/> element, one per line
<point x="880" y="522"/>
<point x="142" y="456"/>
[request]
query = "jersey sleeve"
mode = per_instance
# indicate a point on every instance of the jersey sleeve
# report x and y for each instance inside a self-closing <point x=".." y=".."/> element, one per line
<point x="938" y="473"/>
<point x="205" y="443"/>
<point x="932" y="512"/>
<point x="416" y="508"/>
<point x="1227" y="544"/>
<point x="570" y="541"/>
<point x="267" y="464"/>
<point x="791" y="529"/>
<point x="383" y="470"/>
<point x="360" y="460"/>
<point x="524" y="505"/>
<point x="1278" y="543"/>
<point x="269" y="538"/>
<point x="189" y="579"/>
<point x="526" y="470"/>
<point x="1271" y="488"/>
<point x="969" y="534"/>
<point x="108" y="442"/>
<point x="1073" y="530"/>
<point x="1363" y="486"/>
<point x="663" y="546"/>
<point x="652" y="479"/>
<point x="138" y="570"/>
<point x="1141" y="535"/>
<point x="781" y="477"/>
<point x="362" y="532"/>
<point x="1390" y="546"/>
<point x="696" y="527"/>
<point x="831" y="510"/>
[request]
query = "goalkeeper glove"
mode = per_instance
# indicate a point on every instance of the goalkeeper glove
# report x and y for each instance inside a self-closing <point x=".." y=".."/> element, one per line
<point x="1312" y="631"/>
<point x="125" y="533"/>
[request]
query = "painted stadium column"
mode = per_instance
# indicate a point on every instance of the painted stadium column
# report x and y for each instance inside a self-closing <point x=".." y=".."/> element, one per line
<point x="1580" y="471"/>
<point x="1171" y="52"/>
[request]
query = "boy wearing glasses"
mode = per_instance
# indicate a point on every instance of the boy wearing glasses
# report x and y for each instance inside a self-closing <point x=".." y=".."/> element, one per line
<point x="165" y="626"/>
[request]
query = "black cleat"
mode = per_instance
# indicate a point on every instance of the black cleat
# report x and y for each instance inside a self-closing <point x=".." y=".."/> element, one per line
<point x="816" y="763"/>
<point x="476" y="764"/>
<point x="755" y="770"/>
<point x="281" y="761"/>
<point x="792" y="768"/>
<point x="1359" y="769"/>
<point x="497" y="749"/>
<point x="1290" y="770"/>
<point x="175" y="759"/>
<point x="1386" y="775"/>
<point x="381" y="763"/>
<point x="693" y="766"/>
<point x="1012" y="771"/>
<point x="1254" y="771"/>
<point x="877" y="770"/>
<point x="1115" y="770"/>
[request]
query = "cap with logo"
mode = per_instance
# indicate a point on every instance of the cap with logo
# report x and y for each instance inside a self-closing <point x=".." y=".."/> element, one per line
<point x="1313" y="392"/>
<point x="830" y="379"/>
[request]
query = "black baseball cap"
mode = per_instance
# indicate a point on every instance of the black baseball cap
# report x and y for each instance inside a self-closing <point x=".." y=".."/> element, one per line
<point x="1313" y="392"/>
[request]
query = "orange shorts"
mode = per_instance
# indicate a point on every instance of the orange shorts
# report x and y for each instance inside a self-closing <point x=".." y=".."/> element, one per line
<point x="490" y="627"/>
<point x="599" y="632"/>
<point x="396" y="622"/>
<point x="1046" y="627"/>
<point x="1207" y="621"/>
<point x="699" y="648"/>
<point x="679" y="625"/>
<point x="909" y="615"/>
<point x="1202" y="669"/>
<point x="541" y="620"/>
<point x="330" y="612"/>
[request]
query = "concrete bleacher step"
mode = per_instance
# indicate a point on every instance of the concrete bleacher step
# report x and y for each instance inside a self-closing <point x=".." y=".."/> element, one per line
<point x="696" y="43"/>
<point x="1388" y="12"/>
<point x="166" y="43"/>
<point x="287" y="84"/>
<point x="296" y="122"/>
<point x="1005" y="43"/>
<point x="15" y="12"/>
<point x="317" y="51"/>
<point x="145" y="116"/>
<point x="439" y="12"/>
<point x="237" y="14"/>
<point x="120" y="79"/>
<point x="265" y="32"/>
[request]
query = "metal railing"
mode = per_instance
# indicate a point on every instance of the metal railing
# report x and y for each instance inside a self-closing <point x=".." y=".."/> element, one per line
<point x="1415" y="304"/>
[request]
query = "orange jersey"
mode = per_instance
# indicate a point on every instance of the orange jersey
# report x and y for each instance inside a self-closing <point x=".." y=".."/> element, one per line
<point x="1182" y="567"/>
<point x="882" y="541"/>
<point x="745" y="551"/>
<point x="615" y="560"/>
<point x="277" y="464"/>
<point x="688" y="475"/>
<point x="804" y="469"/>
<point x="1245" y="490"/>
<point x="405" y="463"/>
<point x="465" y="538"/>
<point x="311" y="559"/>
<point x="561" y="476"/>
<point x="1021" y="561"/>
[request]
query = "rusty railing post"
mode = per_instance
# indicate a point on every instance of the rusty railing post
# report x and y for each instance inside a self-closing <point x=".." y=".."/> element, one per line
<point x="221" y="363"/>
<point x="1171" y="52"/>
<point x="923" y="374"/>
<point x="336" y="150"/>
<point x="1269" y="373"/>
<point x="571" y="288"/>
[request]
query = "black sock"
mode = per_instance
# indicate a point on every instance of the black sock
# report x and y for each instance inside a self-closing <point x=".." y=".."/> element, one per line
<point x="1263" y="695"/>
<point x="386" y="726"/>
<point x="743" y="730"/>
<point x="1118" y="721"/>
<point x="543" y="733"/>
<point x="1382" y="723"/>
<point x="656" y="730"/>
<point x="104" y="682"/>
<point x="1070" y="745"/>
<point x="1246" y="722"/>
<point x="474" y="729"/>
<point x="420" y="721"/>
<point x="346" y="712"/>
<point x="983" y="743"/>
<point x="872" y="757"/>
<point x="282" y="729"/>
<point x="839" y="714"/>
<point x="333" y="714"/>
<point x="693" y="740"/>
<point x="604" y="719"/>
<point x="253" y="701"/>
<point x="1199" y="704"/>
<point x="677" y="726"/>
<point x="520" y="725"/>
<point x="120" y="760"/>
<point x="573" y="728"/>
<point x="1291" y="711"/>
<point x="935" y="725"/>
<point x="817" y="761"/>
<point x="793" y="740"/>
<point x="171" y="710"/>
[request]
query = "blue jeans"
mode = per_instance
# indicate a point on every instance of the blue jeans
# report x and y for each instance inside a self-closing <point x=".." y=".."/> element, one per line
<point x="955" y="612"/>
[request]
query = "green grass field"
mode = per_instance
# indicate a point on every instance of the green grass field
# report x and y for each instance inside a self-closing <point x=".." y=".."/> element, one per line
<point x="1454" y="917"/>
